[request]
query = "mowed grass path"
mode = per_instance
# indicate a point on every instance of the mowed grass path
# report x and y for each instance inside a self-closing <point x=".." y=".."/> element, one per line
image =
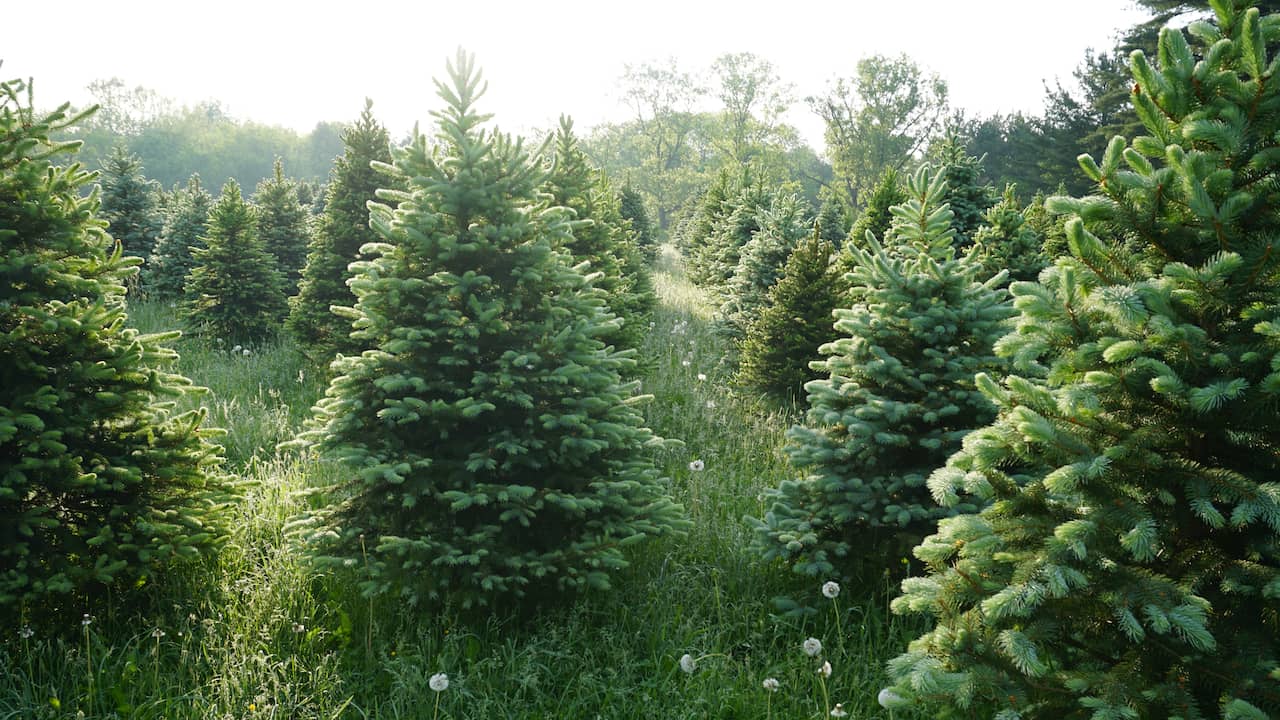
<point x="259" y="635"/>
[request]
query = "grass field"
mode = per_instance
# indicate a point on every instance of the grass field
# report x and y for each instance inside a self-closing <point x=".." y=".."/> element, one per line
<point x="257" y="634"/>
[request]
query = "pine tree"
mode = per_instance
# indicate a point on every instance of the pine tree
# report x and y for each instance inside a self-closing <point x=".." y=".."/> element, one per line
<point x="130" y="203"/>
<point x="898" y="399"/>
<point x="833" y="222"/>
<point x="796" y="321"/>
<point x="1005" y="241"/>
<point x="631" y="206"/>
<point x="493" y="449"/>
<point x="602" y="238"/>
<point x="875" y="217"/>
<point x="780" y="227"/>
<point x="234" y="292"/>
<point x="967" y="195"/>
<point x="1128" y="564"/>
<point x="715" y="262"/>
<point x="339" y="235"/>
<point x="1048" y="226"/>
<point x="102" y="484"/>
<point x="188" y="220"/>
<point x="282" y="225"/>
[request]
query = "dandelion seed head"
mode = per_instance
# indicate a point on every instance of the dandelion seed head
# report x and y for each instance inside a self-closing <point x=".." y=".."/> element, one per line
<point x="299" y="628"/>
<point x="26" y="632"/>
<point x="711" y="404"/>
<point x="246" y="352"/>
<point x="157" y="633"/>
<point x="838" y="710"/>
<point x="697" y="466"/>
<point x="702" y="376"/>
<point x="688" y="664"/>
<point x="87" y="620"/>
<point x="812" y="647"/>
<point x="237" y="349"/>
<point x="825" y="670"/>
<point x="439" y="682"/>
<point x="830" y="589"/>
<point x="686" y="362"/>
<point x="771" y="684"/>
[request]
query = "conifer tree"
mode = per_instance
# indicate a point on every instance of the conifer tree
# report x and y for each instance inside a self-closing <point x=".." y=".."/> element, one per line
<point x="716" y="260"/>
<point x="493" y="449"/>
<point x="1128" y="563"/>
<point x="876" y="217"/>
<point x="282" y="225"/>
<point x="898" y="399"/>
<point x="101" y="483"/>
<point x="631" y="206"/>
<point x="234" y="292"/>
<point x="760" y="265"/>
<point x="185" y="227"/>
<point x="601" y="238"/>
<point x="1048" y="226"/>
<point x="1006" y="242"/>
<point x="796" y="321"/>
<point x="968" y="197"/>
<point x="340" y="232"/>
<point x="833" y="223"/>
<point x="130" y="203"/>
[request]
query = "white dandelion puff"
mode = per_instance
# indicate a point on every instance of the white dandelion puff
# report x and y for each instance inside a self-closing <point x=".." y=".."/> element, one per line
<point x="812" y="647"/>
<point x="838" y="710"/>
<point x="26" y="632"/>
<point x="688" y="664"/>
<point x="825" y="670"/>
<point x="702" y="376"/>
<point x="697" y="466"/>
<point x="157" y="633"/>
<point x="87" y="620"/>
<point x="439" y="682"/>
<point x="830" y="589"/>
<point x="771" y="684"/>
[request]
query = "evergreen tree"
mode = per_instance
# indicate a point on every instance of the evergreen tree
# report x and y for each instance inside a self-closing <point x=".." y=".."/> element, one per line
<point x="339" y="234"/>
<point x="235" y="291"/>
<point x="184" y="228"/>
<point x="601" y="238"/>
<point x="876" y="217"/>
<point x="631" y="206"/>
<point x="715" y="262"/>
<point x="101" y="483"/>
<point x="1047" y="225"/>
<point x="130" y="203"/>
<point x="1128" y="562"/>
<point x="833" y="223"/>
<point x="1005" y="242"/>
<point x="761" y="264"/>
<point x="493" y="449"/>
<point x="796" y="321"/>
<point x="967" y="194"/>
<point x="282" y="225"/>
<point x="899" y="397"/>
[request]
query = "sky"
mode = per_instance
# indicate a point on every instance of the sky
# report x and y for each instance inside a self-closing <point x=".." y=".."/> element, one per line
<point x="293" y="64"/>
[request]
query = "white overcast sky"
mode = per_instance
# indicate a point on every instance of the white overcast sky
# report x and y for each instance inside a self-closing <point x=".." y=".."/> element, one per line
<point x="294" y="64"/>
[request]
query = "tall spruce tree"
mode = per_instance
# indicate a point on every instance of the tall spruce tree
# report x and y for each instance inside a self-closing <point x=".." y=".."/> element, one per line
<point x="631" y="206"/>
<point x="101" y="482"/>
<point x="130" y="203"/>
<point x="282" y="225"/>
<point x="779" y="228"/>
<point x="898" y="399"/>
<point x="235" y="292"/>
<point x="833" y="217"/>
<point x="1005" y="242"/>
<point x="340" y="232"/>
<point x="602" y="238"/>
<point x="1128" y="563"/>
<point x="876" y="217"/>
<point x="967" y="194"/>
<point x="796" y="321"/>
<point x="493" y="449"/>
<point x="165" y="274"/>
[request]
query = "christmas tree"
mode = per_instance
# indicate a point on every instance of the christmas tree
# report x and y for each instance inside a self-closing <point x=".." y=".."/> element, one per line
<point x="1128" y="563"/>
<point x="101" y="483"/>
<point x="875" y="217"/>
<point x="779" y="228"/>
<point x="833" y="214"/>
<point x="631" y="206"/>
<point x="184" y="228"/>
<point x="1005" y="242"/>
<point x="493" y="449"/>
<point x="234" y="292"/>
<point x="130" y="203"/>
<point x="282" y="225"/>
<point x="898" y="399"/>
<point x="340" y="232"/>
<point x="968" y="197"/>
<point x="795" y="322"/>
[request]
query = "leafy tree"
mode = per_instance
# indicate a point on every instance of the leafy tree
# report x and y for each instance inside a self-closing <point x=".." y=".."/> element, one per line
<point x="129" y="203"/>
<point x="1128" y="562"/>
<point x="235" y="291"/>
<point x="1006" y="243"/>
<point x="602" y="239"/>
<point x="102" y="484"/>
<point x="899" y="398"/>
<point x="781" y="225"/>
<point x="753" y="98"/>
<point x="631" y="207"/>
<point x="340" y="233"/>
<point x="282" y="225"/>
<point x="493" y="449"/>
<point x="795" y="322"/>
<point x="184" y="228"/>
<point x="879" y="119"/>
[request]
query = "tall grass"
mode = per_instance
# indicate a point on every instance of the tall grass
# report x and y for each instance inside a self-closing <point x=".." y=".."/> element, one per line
<point x="259" y="635"/>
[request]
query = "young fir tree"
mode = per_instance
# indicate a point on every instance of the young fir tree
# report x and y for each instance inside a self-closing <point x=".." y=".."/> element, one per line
<point x="760" y="265"/>
<point x="283" y="225"/>
<point x="742" y="215"/>
<point x="876" y="216"/>
<point x="185" y="227"/>
<point x="1006" y="242"/>
<point x="796" y="321"/>
<point x="833" y="214"/>
<point x="1128" y="564"/>
<point x="493" y="448"/>
<point x="130" y="203"/>
<point x="968" y="197"/>
<point x="101" y="482"/>
<point x="234" y="293"/>
<point x="631" y="206"/>
<point x="339" y="234"/>
<point x="899" y="398"/>
<point x="602" y="238"/>
<point x="1047" y="225"/>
